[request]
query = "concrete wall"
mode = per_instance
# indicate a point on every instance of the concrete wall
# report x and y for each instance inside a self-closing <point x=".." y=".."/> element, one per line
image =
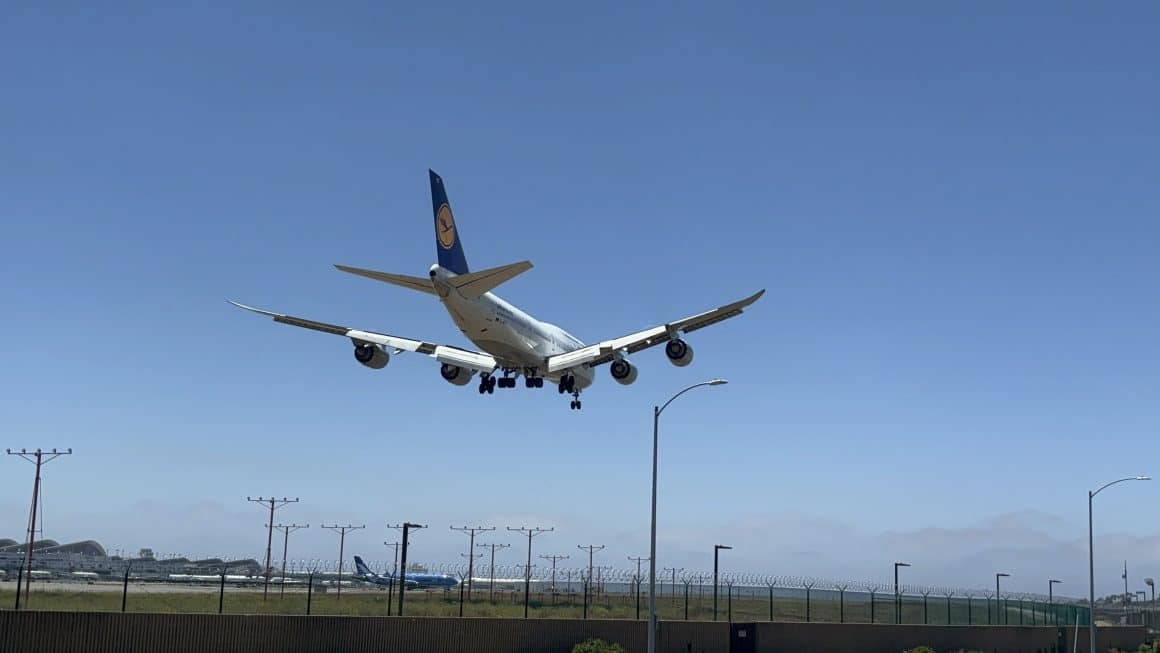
<point x="843" y="638"/>
<point x="49" y="632"/>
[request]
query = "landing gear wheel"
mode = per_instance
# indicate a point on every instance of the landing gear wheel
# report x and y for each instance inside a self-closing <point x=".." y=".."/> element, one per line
<point x="539" y="382"/>
<point x="529" y="382"/>
<point x="568" y="384"/>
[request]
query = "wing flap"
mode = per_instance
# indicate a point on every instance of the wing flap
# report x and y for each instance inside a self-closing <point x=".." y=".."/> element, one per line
<point x="464" y="358"/>
<point x="445" y="354"/>
<point x="604" y="352"/>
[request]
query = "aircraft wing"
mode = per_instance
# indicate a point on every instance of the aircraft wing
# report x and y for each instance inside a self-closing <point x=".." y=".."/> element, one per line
<point x="603" y="352"/>
<point x="464" y="358"/>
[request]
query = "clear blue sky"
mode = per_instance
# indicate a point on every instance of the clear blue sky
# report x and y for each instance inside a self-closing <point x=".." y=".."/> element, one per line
<point x="955" y="210"/>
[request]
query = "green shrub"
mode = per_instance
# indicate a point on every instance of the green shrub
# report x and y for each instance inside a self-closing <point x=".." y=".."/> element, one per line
<point x="921" y="649"/>
<point x="599" y="646"/>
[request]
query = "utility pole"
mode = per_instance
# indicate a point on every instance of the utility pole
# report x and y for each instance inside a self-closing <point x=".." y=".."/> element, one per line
<point x="493" y="547"/>
<point x="716" y="550"/>
<point x="286" y="529"/>
<point x="1125" y="591"/>
<point x="471" y="531"/>
<point x="391" y="578"/>
<point x="554" y="559"/>
<point x="638" y="579"/>
<point x="406" y="526"/>
<point x="471" y="558"/>
<point x="342" y="531"/>
<point x="591" y="549"/>
<point x="395" y="562"/>
<point x="273" y="504"/>
<point x="674" y="570"/>
<point x="37" y="458"/>
<point x="530" y="532"/>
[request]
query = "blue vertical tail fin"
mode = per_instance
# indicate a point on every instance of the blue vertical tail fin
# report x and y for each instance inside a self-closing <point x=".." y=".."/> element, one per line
<point x="447" y="242"/>
<point x="362" y="567"/>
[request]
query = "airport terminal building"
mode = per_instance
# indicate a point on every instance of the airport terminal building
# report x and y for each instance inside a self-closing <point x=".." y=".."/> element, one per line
<point x="51" y="558"/>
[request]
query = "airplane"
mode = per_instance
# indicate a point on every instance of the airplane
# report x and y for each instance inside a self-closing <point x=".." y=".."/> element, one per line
<point x="513" y="343"/>
<point x="503" y="583"/>
<point x="416" y="580"/>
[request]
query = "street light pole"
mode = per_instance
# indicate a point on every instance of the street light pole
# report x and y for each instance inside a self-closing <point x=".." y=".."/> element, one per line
<point x="997" y="577"/>
<point x="897" y="596"/>
<point x="716" y="549"/>
<point x="652" y="564"/>
<point x="1092" y="558"/>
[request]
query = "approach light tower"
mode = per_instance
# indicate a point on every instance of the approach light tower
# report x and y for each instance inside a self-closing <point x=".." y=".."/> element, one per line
<point x="37" y="458"/>
<point x="274" y="504"/>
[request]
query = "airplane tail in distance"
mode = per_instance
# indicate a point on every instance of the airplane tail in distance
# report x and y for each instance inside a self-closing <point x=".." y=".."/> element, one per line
<point x="362" y="567"/>
<point x="447" y="242"/>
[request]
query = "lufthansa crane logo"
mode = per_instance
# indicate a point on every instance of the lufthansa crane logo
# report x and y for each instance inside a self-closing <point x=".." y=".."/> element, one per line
<point x="445" y="227"/>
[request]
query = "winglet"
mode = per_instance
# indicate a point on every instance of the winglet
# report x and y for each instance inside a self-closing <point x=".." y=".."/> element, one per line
<point x="255" y="310"/>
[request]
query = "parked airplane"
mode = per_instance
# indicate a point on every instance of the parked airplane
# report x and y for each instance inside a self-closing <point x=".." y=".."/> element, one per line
<point x="417" y="580"/>
<point x="513" y="342"/>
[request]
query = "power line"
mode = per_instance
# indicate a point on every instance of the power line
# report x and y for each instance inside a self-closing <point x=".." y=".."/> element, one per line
<point x="530" y="532"/>
<point x="493" y="547"/>
<point x="286" y="529"/>
<point x="274" y="504"/>
<point x="37" y="458"/>
<point x="471" y="547"/>
<point x="342" y="531"/>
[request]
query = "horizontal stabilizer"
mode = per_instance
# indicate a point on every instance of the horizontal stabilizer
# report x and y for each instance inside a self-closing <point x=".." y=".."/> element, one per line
<point x="474" y="284"/>
<point x="414" y="283"/>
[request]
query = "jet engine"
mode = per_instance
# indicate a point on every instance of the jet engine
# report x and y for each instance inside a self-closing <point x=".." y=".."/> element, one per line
<point x="623" y="372"/>
<point x="455" y="375"/>
<point x="680" y="353"/>
<point x="373" y="356"/>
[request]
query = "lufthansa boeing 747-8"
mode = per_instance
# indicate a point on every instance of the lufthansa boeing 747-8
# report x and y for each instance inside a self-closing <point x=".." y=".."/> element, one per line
<point x="514" y="343"/>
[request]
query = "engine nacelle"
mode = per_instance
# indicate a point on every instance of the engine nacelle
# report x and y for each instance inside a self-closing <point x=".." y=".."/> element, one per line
<point x="373" y="356"/>
<point x="680" y="353"/>
<point x="455" y="375"/>
<point x="623" y="372"/>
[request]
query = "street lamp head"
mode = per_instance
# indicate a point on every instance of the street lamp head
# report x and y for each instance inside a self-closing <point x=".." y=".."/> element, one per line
<point x="718" y="382"/>
<point x="1148" y="581"/>
<point x="1143" y="478"/>
<point x="721" y="546"/>
<point x="1002" y="575"/>
<point x="902" y="564"/>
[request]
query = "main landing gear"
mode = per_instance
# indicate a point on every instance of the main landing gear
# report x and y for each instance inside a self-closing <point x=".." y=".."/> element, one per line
<point x="488" y="382"/>
<point x="568" y="384"/>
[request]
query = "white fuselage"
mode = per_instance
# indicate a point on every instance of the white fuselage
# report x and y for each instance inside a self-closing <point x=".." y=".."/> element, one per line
<point x="517" y="340"/>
